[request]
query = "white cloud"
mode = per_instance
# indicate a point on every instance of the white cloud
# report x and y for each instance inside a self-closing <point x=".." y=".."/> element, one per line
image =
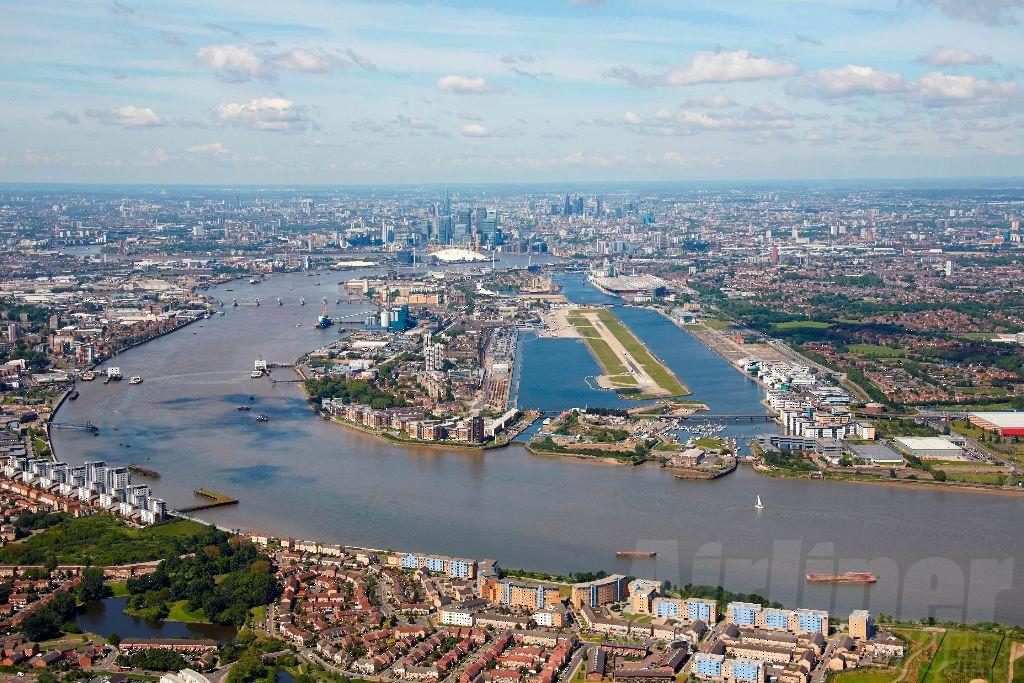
<point x="721" y="66"/>
<point x="688" y="122"/>
<point x="215" y="149"/>
<point x="305" y="61"/>
<point x="265" y="114"/>
<point x="846" y="82"/>
<point x="937" y="89"/>
<point x="466" y="85"/>
<point x="476" y="130"/>
<point x="234" y="63"/>
<point x="128" y="116"/>
<point x="948" y="56"/>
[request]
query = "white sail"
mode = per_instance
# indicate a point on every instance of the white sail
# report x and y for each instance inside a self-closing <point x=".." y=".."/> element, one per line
<point x="758" y="505"/>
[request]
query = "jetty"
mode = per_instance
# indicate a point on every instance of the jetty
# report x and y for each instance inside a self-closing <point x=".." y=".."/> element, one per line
<point x="215" y="500"/>
<point x="143" y="471"/>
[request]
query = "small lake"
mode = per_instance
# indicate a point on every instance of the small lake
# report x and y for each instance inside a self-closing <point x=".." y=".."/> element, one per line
<point x="104" y="617"/>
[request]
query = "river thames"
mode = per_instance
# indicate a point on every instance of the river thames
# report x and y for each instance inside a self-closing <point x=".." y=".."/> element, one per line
<point x="952" y="554"/>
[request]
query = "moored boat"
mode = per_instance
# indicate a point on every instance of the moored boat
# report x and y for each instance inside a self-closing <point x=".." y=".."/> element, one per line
<point x="843" y="577"/>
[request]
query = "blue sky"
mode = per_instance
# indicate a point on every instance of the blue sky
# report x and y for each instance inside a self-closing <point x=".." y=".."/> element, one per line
<point x="332" y="91"/>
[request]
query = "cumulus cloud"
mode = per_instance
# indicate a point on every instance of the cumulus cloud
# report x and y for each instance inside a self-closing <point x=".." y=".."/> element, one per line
<point x="275" y="114"/>
<point x="234" y="63"/>
<point x="980" y="11"/>
<point x="214" y="149"/>
<point x="948" y="56"/>
<point x="65" y="116"/>
<point x="239" y="63"/>
<point x="128" y="116"/>
<point x="940" y="89"/>
<point x="847" y="82"/>
<point x="721" y="66"/>
<point x="466" y="85"/>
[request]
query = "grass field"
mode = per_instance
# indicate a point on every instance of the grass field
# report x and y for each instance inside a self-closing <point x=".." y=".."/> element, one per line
<point x="964" y="656"/>
<point x="1001" y="672"/>
<point x="802" y="325"/>
<point x="120" y="588"/>
<point x="100" y="539"/>
<point x="180" y="612"/>
<point x="875" y="351"/>
<point x="921" y="649"/>
<point x="651" y="365"/>
<point x="717" y="324"/>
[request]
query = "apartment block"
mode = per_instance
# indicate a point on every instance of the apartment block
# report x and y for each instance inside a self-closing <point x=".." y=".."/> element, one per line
<point x="599" y="592"/>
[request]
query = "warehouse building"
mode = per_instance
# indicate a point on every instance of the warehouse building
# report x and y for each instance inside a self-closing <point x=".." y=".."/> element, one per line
<point x="1004" y="423"/>
<point x="930" y="447"/>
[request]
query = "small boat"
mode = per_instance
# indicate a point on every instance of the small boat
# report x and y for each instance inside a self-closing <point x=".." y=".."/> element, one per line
<point x="262" y="418"/>
<point x="256" y="374"/>
<point x="298" y="324"/>
<point x="844" y="577"/>
<point x="254" y="281"/>
<point x="635" y="554"/>
<point x="758" y="505"/>
<point x="244" y="408"/>
<point x="251" y="397"/>
<point x="73" y="396"/>
<point x="88" y="376"/>
<point x="135" y="379"/>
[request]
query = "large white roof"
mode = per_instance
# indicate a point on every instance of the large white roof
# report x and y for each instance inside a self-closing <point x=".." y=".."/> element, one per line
<point x="1004" y="419"/>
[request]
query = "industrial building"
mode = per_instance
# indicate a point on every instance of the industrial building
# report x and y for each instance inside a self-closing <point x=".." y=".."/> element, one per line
<point x="1004" y="423"/>
<point x="930" y="447"/>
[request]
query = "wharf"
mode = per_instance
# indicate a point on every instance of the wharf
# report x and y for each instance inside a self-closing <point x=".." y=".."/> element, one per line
<point x="215" y="499"/>
<point x="143" y="471"/>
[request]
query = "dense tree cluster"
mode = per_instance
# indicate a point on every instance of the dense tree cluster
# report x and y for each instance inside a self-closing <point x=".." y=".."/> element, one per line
<point x="351" y="391"/>
<point x="48" y="621"/>
<point x="153" y="660"/>
<point x="224" y="579"/>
